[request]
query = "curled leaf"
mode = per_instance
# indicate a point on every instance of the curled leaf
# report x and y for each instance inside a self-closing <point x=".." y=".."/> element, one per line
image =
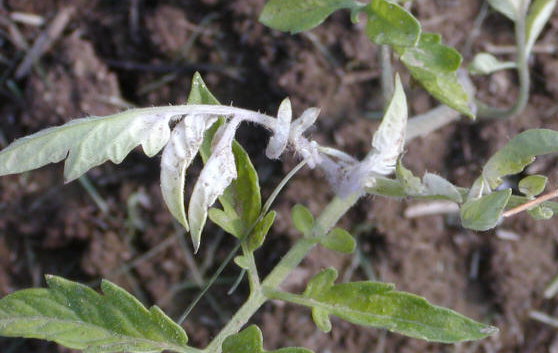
<point x="241" y="201"/>
<point x="218" y="173"/>
<point x="389" y="139"/>
<point x="279" y="140"/>
<point x="88" y="142"/>
<point x="532" y="185"/>
<point x="484" y="64"/>
<point x="185" y="141"/>
<point x="250" y="340"/>
<point x="303" y="122"/>
<point x="484" y="213"/>
<point x="519" y="152"/>
<point x="540" y="213"/>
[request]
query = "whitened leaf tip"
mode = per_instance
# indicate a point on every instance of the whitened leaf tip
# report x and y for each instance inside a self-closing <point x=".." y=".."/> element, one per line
<point x="280" y="138"/>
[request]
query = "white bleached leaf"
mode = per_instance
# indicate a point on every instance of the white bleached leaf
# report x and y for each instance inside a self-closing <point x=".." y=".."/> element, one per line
<point x="184" y="143"/>
<point x="484" y="64"/>
<point x="306" y="119"/>
<point x="219" y="171"/>
<point x="280" y="137"/>
<point x="538" y="16"/>
<point x="87" y="142"/>
<point x="509" y="8"/>
<point x="389" y="139"/>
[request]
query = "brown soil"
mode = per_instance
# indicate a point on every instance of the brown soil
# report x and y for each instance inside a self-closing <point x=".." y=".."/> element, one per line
<point x="143" y="53"/>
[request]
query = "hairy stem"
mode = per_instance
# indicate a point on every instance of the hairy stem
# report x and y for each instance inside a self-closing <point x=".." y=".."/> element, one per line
<point x="329" y="217"/>
<point x="388" y="84"/>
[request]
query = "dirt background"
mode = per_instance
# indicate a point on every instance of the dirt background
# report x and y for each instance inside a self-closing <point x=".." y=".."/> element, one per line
<point x="115" y="54"/>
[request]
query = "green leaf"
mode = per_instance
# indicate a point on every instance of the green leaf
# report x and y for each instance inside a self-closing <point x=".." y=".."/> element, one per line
<point x="230" y="223"/>
<point x="435" y="66"/>
<point x="387" y="187"/>
<point x="436" y="185"/>
<point x="302" y="15"/>
<point x="302" y="219"/>
<point x="77" y="317"/>
<point x="250" y="340"/>
<point x="484" y="64"/>
<point x="509" y="8"/>
<point x="242" y="262"/>
<point x="519" y="152"/>
<point x="241" y="201"/>
<point x="532" y="185"/>
<point x="538" y="16"/>
<point x="411" y="184"/>
<point x="484" y="213"/>
<point x="540" y="213"/>
<point x="339" y="240"/>
<point x="256" y="239"/>
<point x="88" y="142"/>
<point x="379" y="305"/>
<point x="389" y="23"/>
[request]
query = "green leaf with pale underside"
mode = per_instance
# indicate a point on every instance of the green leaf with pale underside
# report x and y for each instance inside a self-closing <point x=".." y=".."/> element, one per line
<point x="538" y="16"/>
<point x="485" y="63"/>
<point x="532" y="185"/>
<point x="379" y="305"/>
<point x="484" y="213"/>
<point x="302" y="15"/>
<point x="509" y="8"/>
<point x="77" y="317"/>
<point x="435" y="66"/>
<point x="519" y="152"/>
<point x="250" y="340"/>
<point x="88" y="142"/>
<point x="389" y="23"/>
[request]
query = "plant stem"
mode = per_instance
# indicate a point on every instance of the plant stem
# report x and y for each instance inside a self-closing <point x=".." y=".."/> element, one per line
<point x="487" y="112"/>
<point x="329" y="217"/>
<point x="530" y="204"/>
<point x="386" y="74"/>
<point x="424" y="124"/>
<point x="253" y="278"/>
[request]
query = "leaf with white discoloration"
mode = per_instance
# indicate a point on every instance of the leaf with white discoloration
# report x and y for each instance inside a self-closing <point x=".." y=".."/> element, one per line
<point x="389" y="139"/>
<point x="88" y="142"/>
<point x="218" y="173"/>
<point x="183" y="146"/>
<point x="279" y="140"/>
